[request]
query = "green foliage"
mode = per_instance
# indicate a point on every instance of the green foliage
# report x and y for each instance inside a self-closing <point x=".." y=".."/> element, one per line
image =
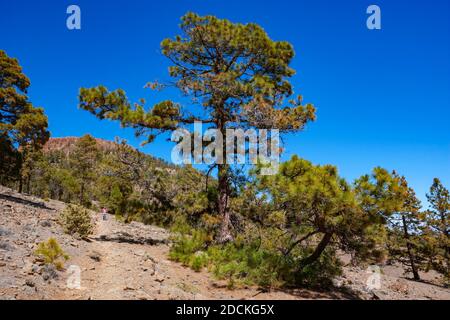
<point x="238" y="61"/>
<point x="84" y="161"/>
<point x="411" y="235"/>
<point x="405" y="243"/>
<point x="116" y="200"/>
<point x="198" y="261"/>
<point x="291" y="225"/>
<point x="76" y="220"/>
<point x="436" y="234"/>
<point x="245" y="264"/>
<point x="287" y="227"/>
<point x="242" y="77"/>
<point x="23" y="127"/>
<point x="294" y="222"/>
<point x="320" y="273"/>
<point x="132" y="185"/>
<point x="313" y="202"/>
<point x="9" y="161"/>
<point x="187" y="247"/>
<point x="249" y="260"/>
<point x="51" y="253"/>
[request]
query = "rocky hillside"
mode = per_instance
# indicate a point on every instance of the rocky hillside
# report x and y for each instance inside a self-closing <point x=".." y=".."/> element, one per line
<point x="67" y="144"/>
<point x="130" y="262"/>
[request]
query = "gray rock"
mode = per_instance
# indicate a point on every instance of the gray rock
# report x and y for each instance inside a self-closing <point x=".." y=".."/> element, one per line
<point x="49" y="272"/>
<point x="6" y="246"/>
<point x="46" y="223"/>
<point x="175" y="293"/>
<point x="35" y="268"/>
<point x="29" y="283"/>
<point x="30" y="291"/>
<point x="4" y="232"/>
<point x="379" y="295"/>
<point x="94" y="255"/>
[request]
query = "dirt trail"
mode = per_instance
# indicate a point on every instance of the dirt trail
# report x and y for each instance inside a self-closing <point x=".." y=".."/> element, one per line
<point x="118" y="269"/>
<point x="105" y="279"/>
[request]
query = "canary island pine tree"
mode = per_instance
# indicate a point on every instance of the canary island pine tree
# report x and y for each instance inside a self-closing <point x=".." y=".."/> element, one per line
<point x="236" y="76"/>
<point x="437" y="229"/>
<point x="23" y="127"/>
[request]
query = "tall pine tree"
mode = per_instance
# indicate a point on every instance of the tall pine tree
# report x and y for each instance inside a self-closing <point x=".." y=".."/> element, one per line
<point x="405" y="239"/>
<point x="438" y="223"/>
<point x="83" y="162"/>
<point x="23" y="128"/>
<point x="236" y="76"/>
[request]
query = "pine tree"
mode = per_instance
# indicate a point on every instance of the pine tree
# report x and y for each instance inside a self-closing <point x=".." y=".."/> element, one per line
<point x="438" y="222"/>
<point x="83" y="162"/>
<point x="116" y="200"/>
<point x="405" y="235"/>
<point x="393" y="205"/>
<point x="23" y="128"/>
<point x="31" y="160"/>
<point x="319" y="207"/>
<point x="237" y="77"/>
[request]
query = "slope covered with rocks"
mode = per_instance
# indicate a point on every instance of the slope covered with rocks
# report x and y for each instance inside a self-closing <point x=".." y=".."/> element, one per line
<point x="129" y="261"/>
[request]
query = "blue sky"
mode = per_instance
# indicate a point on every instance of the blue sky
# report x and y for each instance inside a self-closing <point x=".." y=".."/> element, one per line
<point x="383" y="96"/>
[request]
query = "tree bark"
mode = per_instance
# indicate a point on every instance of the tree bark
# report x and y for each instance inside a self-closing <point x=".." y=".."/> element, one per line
<point x="223" y="188"/>
<point x="318" y="251"/>
<point x="29" y="184"/>
<point x="296" y="243"/>
<point x="222" y="205"/>
<point x="82" y="193"/>
<point x="411" y="257"/>
<point x="445" y="231"/>
<point x="20" y="185"/>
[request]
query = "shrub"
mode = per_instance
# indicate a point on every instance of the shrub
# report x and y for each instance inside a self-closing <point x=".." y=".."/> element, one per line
<point x="318" y="274"/>
<point x="199" y="260"/>
<point x="51" y="253"/>
<point x="245" y="263"/>
<point x="249" y="261"/>
<point x="180" y="226"/>
<point x="76" y="220"/>
<point x="187" y="249"/>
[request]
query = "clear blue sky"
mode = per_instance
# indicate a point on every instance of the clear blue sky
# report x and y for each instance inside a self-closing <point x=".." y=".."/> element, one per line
<point x="383" y="97"/>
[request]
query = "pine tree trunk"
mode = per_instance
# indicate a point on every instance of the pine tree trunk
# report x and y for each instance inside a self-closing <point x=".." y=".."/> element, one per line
<point x="411" y="257"/>
<point x="222" y="205"/>
<point x="81" y="193"/>
<point x="20" y="185"/>
<point x="446" y="247"/>
<point x="223" y="188"/>
<point x="29" y="184"/>
<point x="318" y="251"/>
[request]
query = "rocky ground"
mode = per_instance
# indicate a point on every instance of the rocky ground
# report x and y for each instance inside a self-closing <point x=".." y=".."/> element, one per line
<point x="130" y="262"/>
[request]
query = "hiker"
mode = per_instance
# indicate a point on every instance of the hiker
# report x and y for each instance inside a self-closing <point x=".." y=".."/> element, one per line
<point x="104" y="211"/>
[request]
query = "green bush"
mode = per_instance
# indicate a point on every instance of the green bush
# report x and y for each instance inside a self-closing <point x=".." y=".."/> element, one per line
<point x="51" y="253"/>
<point x="318" y="274"/>
<point x="187" y="246"/>
<point x="76" y="220"/>
<point x="245" y="264"/>
<point x="199" y="260"/>
<point x="248" y="262"/>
